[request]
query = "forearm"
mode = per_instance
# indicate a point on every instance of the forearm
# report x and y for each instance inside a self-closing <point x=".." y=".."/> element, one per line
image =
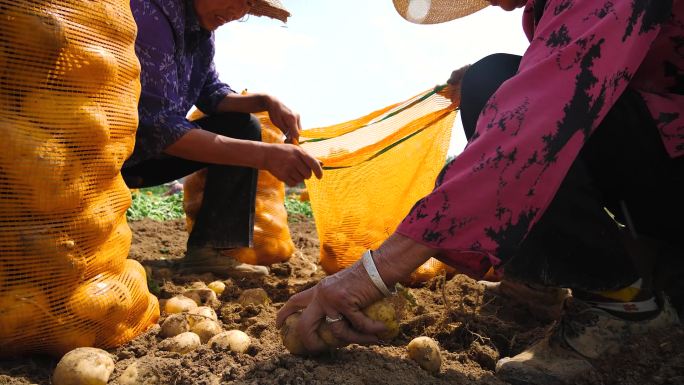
<point x="249" y="103"/>
<point x="208" y="147"/>
<point x="398" y="257"/>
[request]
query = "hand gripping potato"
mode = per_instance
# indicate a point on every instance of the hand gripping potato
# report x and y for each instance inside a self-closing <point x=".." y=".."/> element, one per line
<point x="387" y="310"/>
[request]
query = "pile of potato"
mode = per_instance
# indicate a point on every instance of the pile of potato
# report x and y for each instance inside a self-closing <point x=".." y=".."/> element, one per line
<point x="190" y="322"/>
<point x="69" y="86"/>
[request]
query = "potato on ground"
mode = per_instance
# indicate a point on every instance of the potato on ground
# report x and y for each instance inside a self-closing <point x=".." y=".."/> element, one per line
<point x="233" y="340"/>
<point x="217" y="286"/>
<point x="174" y="325"/>
<point x="200" y="314"/>
<point x="257" y="296"/>
<point x="202" y="296"/>
<point x="138" y="373"/>
<point x="84" y="366"/>
<point x="179" y="304"/>
<point x="206" y="329"/>
<point x="425" y="351"/>
<point x="182" y="343"/>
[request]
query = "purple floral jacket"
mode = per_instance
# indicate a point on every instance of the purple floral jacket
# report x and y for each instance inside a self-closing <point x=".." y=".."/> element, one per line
<point x="177" y="60"/>
<point x="583" y="54"/>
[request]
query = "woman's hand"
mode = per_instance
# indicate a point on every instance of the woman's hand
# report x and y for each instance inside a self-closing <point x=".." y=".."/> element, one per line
<point x="347" y="292"/>
<point x="342" y="294"/>
<point x="284" y="118"/>
<point x="291" y="164"/>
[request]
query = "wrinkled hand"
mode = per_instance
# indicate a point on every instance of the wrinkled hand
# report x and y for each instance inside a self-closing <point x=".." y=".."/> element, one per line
<point x="285" y="119"/>
<point x="291" y="164"/>
<point x="345" y="293"/>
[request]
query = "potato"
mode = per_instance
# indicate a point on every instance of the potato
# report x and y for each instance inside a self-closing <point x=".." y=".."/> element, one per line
<point x="84" y="366"/>
<point x="256" y="296"/>
<point x="71" y="336"/>
<point x="49" y="189"/>
<point x="201" y="313"/>
<point x="174" y="325"/>
<point x="182" y="343"/>
<point x="425" y="351"/>
<point x="179" y="304"/>
<point x="385" y="311"/>
<point x="202" y="296"/>
<point x="217" y="286"/>
<point x="39" y="35"/>
<point x="92" y="131"/>
<point x="87" y="68"/>
<point x="206" y="329"/>
<point x="138" y="374"/>
<point x="233" y="340"/>
<point x="101" y="299"/>
<point x="22" y="310"/>
<point x="290" y="337"/>
<point x="326" y="334"/>
<point x="293" y="342"/>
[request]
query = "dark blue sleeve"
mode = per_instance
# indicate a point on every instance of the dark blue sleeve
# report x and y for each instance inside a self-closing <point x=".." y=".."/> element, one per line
<point x="213" y="90"/>
<point x="162" y="118"/>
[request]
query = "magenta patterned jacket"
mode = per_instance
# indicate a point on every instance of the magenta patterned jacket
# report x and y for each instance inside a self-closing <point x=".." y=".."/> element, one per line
<point x="583" y="54"/>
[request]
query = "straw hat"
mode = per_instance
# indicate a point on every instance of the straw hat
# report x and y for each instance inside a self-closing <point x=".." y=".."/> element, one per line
<point x="437" y="11"/>
<point x="270" y="8"/>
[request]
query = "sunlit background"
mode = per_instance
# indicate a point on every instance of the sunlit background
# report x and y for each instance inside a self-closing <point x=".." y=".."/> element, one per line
<point x="335" y="61"/>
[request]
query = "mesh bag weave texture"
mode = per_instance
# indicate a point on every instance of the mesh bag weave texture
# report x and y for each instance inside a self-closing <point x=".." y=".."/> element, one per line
<point x="376" y="168"/>
<point x="272" y="239"/>
<point x="69" y="87"/>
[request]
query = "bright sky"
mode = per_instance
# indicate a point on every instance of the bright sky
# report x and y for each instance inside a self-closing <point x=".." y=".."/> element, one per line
<point x="336" y="61"/>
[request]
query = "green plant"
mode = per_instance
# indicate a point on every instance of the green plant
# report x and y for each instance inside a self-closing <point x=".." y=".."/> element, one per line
<point x="153" y="286"/>
<point x="152" y="203"/>
<point x="296" y="208"/>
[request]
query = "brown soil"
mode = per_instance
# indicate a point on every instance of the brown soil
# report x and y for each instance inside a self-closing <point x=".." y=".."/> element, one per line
<point x="473" y="331"/>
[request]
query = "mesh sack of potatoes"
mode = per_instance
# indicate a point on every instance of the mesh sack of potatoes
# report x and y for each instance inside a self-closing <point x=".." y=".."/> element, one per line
<point x="272" y="241"/>
<point x="69" y="86"/>
<point x="376" y="168"/>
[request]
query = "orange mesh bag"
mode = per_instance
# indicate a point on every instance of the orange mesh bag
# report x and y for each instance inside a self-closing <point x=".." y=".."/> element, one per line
<point x="272" y="240"/>
<point x="376" y="168"/>
<point x="69" y="87"/>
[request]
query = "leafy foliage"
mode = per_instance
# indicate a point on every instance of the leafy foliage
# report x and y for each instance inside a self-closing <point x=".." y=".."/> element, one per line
<point x="154" y="204"/>
<point x="297" y="208"/>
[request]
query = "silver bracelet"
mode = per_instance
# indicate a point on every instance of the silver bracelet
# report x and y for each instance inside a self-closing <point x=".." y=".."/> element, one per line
<point x="373" y="273"/>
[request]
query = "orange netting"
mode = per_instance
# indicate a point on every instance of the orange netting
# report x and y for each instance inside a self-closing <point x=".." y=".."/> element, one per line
<point x="69" y="86"/>
<point x="376" y="168"/>
<point x="272" y="240"/>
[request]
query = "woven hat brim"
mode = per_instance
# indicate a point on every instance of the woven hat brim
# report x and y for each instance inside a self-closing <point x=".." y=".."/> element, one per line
<point x="437" y="11"/>
<point x="270" y="8"/>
